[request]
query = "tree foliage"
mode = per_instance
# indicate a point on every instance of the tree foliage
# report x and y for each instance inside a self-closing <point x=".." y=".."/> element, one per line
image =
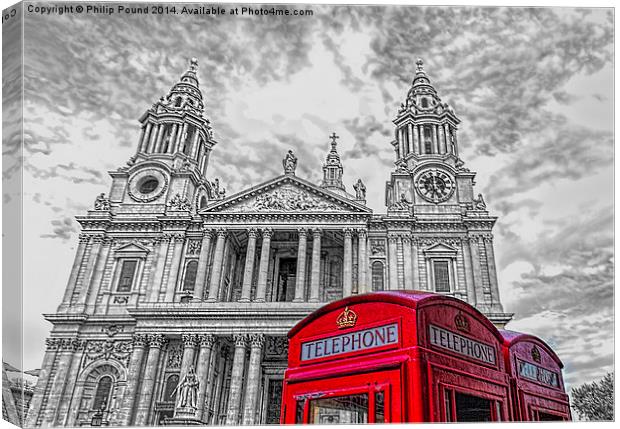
<point x="595" y="401"/>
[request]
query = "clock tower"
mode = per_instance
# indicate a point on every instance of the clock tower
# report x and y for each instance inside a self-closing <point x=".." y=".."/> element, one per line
<point x="430" y="195"/>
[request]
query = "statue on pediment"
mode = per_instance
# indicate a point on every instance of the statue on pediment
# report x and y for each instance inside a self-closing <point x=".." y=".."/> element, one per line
<point x="360" y="190"/>
<point x="102" y="203"/>
<point x="289" y="163"/>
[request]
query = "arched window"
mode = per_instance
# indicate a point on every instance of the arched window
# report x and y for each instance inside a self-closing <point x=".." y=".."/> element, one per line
<point x="203" y="202"/>
<point x="178" y="101"/>
<point x="189" y="281"/>
<point x="102" y="394"/>
<point x="377" y="276"/>
<point x="424" y="102"/>
<point x="171" y="384"/>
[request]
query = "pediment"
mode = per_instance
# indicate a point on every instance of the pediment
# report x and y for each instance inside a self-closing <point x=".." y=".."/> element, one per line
<point x="440" y="248"/>
<point x="287" y="194"/>
<point x="132" y="248"/>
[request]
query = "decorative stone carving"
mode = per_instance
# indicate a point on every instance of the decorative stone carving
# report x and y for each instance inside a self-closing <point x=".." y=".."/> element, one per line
<point x="479" y="203"/>
<point x="119" y="350"/>
<point x="189" y="340"/>
<point x="102" y="203"/>
<point x="257" y="340"/>
<point x="401" y="166"/>
<point x="289" y="163"/>
<point x="360" y="190"/>
<point x="206" y="340"/>
<point x="120" y="299"/>
<point x="140" y="340"/>
<point x="267" y="232"/>
<point x="401" y="204"/>
<point x="112" y="330"/>
<point x="240" y="340"/>
<point x="174" y="357"/>
<point x="193" y="247"/>
<point x="179" y="203"/>
<point x="276" y="347"/>
<point x="157" y="340"/>
<point x="377" y="247"/>
<point x="289" y="199"/>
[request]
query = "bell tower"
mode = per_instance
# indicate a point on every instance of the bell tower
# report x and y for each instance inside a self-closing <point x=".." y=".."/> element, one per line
<point x="332" y="169"/>
<point x="175" y="128"/>
<point x="168" y="171"/>
<point x="428" y="171"/>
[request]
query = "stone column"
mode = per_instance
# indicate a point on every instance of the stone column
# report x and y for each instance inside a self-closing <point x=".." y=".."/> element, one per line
<point x="95" y="283"/>
<point x="134" y="371"/>
<point x="177" y="255"/>
<point x="203" y="264"/>
<point x="194" y="144"/>
<point x="435" y="139"/>
<point x="77" y="264"/>
<point x="144" y="142"/>
<point x="446" y="137"/>
<point x="362" y="263"/>
<point x="347" y="261"/>
<point x="181" y="137"/>
<point x="415" y="243"/>
<point x="72" y="393"/>
<point x="407" y="262"/>
<point x="420" y="135"/>
<point x="216" y="272"/>
<point x="248" y="272"/>
<point x="66" y="348"/>
<point x="263" y="266"/>
<point x="411" y="143"/>
<point x="160" y="137"/>
<point x="206" y="341"/>
<point x="236" y="380"/>
<point x="415" y="139"/>
<point x="158" y="270"/>
<point x="34" y="417"/>
<point x="253" y="382"/>
<point x="488" y="244"/>
<point x="475" y="264"/>
<point x="301" y="267"/>
<point x="153" y="138"/>
<point x="315" y="275"/>
<point x="469" y="271"/>
<point x="145" y="397"/>
<point x="90" y="269"/>
<point x="392" y="261"/>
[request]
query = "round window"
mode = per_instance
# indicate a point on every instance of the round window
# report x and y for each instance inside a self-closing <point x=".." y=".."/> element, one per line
<point x="148" y="185"/>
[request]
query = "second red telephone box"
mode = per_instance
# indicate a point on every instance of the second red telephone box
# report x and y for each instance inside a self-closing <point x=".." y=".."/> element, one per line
<point x="397" y="356"/>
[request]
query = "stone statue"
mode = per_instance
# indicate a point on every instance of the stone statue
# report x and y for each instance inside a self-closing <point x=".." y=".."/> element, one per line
<point x="360" y="190"/>
<point x="479" y="203"/>
<point x="102" y="203"/>
<point x="289" y="163"/>
<point x="401" y="166"/>
<point x="187" y="390"/>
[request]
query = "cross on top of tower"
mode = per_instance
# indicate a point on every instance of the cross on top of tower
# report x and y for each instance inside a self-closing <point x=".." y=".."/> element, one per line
<point x="334" y="137"/>
<point x="420" y="65"/>
<point x="193" y="64"/>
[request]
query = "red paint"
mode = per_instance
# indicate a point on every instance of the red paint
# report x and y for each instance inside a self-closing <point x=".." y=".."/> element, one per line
<point x="448" y="364"/>
<point x="537" y="396"/>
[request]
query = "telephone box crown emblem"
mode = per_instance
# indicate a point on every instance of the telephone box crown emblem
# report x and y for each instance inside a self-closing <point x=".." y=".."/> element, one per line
<point x="346" y="319"/>
<point x="461" y="322"/>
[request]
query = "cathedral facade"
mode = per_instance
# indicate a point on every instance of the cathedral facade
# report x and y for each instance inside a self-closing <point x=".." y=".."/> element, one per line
<point x="174" y="280"/>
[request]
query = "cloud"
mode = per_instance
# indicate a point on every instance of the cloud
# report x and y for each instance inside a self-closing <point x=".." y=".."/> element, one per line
<point x="63" y="229"/>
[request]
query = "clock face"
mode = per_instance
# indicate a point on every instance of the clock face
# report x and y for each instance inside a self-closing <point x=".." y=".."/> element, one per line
<point x="147" y="185"/>
<point x="434" y="185"/>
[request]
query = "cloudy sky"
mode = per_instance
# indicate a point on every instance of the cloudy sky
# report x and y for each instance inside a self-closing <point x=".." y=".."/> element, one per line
<point x="533" y="88"/>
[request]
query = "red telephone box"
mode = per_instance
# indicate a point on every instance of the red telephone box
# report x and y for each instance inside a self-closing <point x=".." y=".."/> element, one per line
<point x="395" y="356"/>
<point x="536" y="379"/>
